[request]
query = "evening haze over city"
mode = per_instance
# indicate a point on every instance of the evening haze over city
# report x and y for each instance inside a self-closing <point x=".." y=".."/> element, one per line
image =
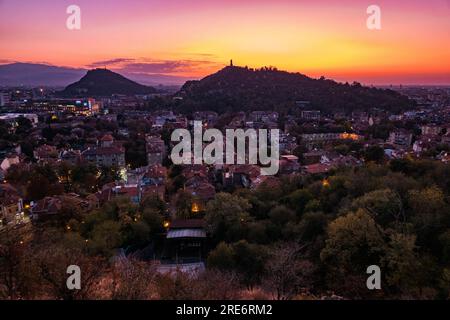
<point x="193" y="38"/>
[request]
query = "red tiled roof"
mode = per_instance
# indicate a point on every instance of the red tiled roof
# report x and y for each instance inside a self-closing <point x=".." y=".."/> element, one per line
<point x="253" y="171"/>
<point x="156" y="171"/>
<point x="204" y="191"/>
<point x="109" y="151"/>
<point x="103" y="151"/>
<point x="317" y="168"/>
<point x="129" y="191"/>
<point x="107" y="137"/>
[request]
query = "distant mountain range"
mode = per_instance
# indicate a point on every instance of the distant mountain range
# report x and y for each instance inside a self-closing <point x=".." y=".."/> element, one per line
<point x="32" y="74"/>
<point x="243" y="89"/>
<point x="28" y="74"/>
<point x="103" y="82"/>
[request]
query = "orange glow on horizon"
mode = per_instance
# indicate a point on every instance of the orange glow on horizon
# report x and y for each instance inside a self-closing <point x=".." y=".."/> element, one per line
<point x="195" y="38"/>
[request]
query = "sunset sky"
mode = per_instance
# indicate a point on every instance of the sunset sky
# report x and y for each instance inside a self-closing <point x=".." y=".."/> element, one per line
<point x="196" y="37"/>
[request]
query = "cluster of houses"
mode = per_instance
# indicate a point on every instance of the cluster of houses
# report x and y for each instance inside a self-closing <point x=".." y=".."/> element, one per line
<point x="185" y="238"/>
<point x="106" y="152"/>
<point x="402" y="142"/>
<point x="202" y="181"/>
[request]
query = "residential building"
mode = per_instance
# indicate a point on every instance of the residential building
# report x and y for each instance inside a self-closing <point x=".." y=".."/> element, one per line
<point x="50" y="207"/>
<point x="46" y="154"/>
<point x="431" y="130"/>
<point x="13" y="117"/>
<point x="11" y="205"/>
<point x="107" y="153"/>
<point x="329" y="136"/>
<point x="401" y="138"/>
<point x="156" y="150"/>
<point x="185" y="241"/>
<point x="310" y="115"/>
<point x="289" y="164"/>
<point x="72" y="157"/>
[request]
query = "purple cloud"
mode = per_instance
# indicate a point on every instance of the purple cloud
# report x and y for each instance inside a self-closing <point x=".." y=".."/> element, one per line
<point x="150" y="66"/>
<point x="109" y="63"/>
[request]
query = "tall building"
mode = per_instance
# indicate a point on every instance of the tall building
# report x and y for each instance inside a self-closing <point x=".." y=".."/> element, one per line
<point x="4" y="99"/>
<point x="156" y="150"/>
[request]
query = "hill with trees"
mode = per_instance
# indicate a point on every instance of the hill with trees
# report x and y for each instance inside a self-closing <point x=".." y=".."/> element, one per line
<point x="244" y="89"/>
<point x="103" y="82"/>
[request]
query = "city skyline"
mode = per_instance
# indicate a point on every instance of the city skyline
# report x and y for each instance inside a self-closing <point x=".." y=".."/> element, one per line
<point x="195" y="38"/>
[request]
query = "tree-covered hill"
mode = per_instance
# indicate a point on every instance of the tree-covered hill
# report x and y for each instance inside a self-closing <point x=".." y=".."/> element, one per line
<point x="102" y="82"/>
<point x="244" y="89"/>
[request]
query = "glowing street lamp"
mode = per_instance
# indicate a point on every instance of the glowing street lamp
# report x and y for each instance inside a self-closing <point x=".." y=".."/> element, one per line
<point x="195" y="208"/>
